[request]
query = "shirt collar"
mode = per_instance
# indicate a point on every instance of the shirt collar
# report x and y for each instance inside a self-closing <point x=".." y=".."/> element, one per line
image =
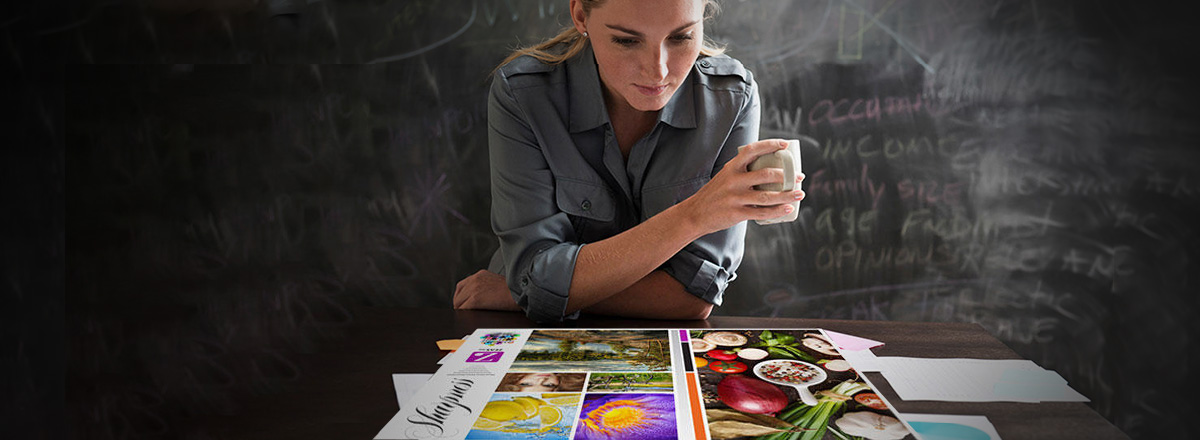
<point x="587" y="100"/>
<point x="680" y="111"/>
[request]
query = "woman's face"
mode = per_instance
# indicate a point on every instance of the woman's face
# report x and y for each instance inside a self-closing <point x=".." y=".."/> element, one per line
<point x="539" y="382"/>
<point x="644" y="49"/>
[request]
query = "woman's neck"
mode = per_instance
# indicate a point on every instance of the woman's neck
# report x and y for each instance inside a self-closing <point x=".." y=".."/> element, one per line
<point x="629" y="124"/>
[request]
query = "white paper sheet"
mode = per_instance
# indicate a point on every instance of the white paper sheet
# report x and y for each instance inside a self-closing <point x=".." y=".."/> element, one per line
<point x="1037" y="386"/>
<point x="973" y="380"/>
<point x="861" y="360"/>
<point x="406" y="385"/>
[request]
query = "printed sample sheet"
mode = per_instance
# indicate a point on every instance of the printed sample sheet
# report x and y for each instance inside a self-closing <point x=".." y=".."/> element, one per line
<point x="609" y="384"/>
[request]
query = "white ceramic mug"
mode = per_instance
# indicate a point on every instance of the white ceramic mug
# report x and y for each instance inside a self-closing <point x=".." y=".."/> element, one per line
<point x="789" y="161"/>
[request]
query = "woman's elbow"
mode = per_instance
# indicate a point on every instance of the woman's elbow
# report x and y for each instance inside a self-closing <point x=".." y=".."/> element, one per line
<point x="696" y="312"/>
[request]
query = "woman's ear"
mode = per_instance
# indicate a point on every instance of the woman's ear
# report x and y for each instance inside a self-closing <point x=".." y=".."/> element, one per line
<point x="578" y="16"/>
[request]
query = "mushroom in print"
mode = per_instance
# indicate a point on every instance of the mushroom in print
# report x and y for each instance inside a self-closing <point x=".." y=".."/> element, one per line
<point x="819" y="343"/>
<point x="871" y="426"/>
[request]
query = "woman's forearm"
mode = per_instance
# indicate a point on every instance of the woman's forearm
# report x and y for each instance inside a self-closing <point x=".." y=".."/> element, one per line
<point x="656" y="296"/>
<point x="612" y="265"/>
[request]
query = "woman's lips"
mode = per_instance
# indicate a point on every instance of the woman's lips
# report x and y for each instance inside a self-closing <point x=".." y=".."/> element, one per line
<point x="651" y="90"/>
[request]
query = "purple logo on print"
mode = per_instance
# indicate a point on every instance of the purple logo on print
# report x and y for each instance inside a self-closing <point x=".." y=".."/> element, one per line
<point x="485" y="356"/>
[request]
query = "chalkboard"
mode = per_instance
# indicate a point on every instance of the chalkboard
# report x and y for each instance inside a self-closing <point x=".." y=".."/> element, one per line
<point x="240" y="174"/>
<point x="32" y="239"/>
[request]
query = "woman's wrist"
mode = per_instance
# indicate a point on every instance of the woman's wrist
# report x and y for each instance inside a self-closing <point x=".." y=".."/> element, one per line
<point x="686" y="216"/>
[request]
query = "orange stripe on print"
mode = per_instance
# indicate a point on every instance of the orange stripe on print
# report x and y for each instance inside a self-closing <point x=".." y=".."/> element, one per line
<point x="697" y="417"/>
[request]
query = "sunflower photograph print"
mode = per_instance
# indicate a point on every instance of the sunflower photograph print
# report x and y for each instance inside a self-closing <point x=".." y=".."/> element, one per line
<point x="627" y="416"/>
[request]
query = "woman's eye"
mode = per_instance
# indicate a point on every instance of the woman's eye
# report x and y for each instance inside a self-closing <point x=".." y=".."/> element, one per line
<point x="682" y="38"/>
<point x="627" y="42"/>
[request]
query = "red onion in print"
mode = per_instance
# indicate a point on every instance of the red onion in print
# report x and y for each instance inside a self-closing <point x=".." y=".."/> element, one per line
<point x="750" y="395"/>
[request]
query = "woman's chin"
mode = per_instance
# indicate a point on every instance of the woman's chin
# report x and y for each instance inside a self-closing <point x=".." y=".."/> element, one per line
<point x="650" y="105"/>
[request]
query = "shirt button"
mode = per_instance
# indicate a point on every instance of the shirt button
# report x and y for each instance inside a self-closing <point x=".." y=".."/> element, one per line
<point x="705" y="63"/>
<point x="524" y="281"/>
<point x="586" y="205"/>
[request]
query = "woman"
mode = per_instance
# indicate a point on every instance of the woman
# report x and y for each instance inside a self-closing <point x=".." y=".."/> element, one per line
<point x="617" y="186"/>
<point x="541" y="382"/>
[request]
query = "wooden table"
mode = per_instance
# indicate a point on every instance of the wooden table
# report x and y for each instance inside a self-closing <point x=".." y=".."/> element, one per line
<point x="347" y="391"/>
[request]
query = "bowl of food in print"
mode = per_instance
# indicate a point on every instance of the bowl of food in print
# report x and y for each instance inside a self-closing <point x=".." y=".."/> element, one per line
<point x="796" y="374"/>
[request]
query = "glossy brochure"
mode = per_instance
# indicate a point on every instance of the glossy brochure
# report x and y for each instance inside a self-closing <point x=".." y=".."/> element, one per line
<point x="608" y="384"/>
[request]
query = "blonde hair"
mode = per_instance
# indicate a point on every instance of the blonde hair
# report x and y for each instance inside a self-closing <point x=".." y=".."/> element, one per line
<point x="547" y="51"/>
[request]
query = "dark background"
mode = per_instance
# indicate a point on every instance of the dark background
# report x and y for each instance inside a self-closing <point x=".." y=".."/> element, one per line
<point x="202" y="191"/>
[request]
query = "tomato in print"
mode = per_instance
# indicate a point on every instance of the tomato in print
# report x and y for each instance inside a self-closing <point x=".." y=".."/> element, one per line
<point x="870" y="400"/>
<point x="722" y="355"/>
<point x="727" y="367"/>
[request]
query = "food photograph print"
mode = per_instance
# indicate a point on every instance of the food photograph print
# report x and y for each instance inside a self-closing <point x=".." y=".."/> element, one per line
<point x="786" y="385"/>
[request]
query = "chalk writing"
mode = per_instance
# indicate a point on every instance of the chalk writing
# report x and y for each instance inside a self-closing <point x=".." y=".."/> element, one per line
<point x="431" y="46"/>
<point x="863" y="188"/>
<point x="1043" y="316"/>
<point x="1108" y="264"/>
<point x="869" y="109"/>
<point x="849" y="221"/>
<point x="959" y="226"/>
<point x="1178" y="187"/>
<point x="1043" y="181"/>
<point x="866" y="147"/>
<point x="783" y="121"/>
<point x="1025" y="329"/>
<point x="790" y="44"/>
<point x="433" y="208"/>
<point x="1019" y="297"/>
<point x="876" y="23"/>
<point x="1147" y="223"/>
<point x="491" y="11"/>
<point x="838" y="148"/>
<point x="851" y="258"/>
<point x="872" y="309"/>
<point x="848" y="256"/>
<point x="850" y="33"/>
<point x="928" y="192"/>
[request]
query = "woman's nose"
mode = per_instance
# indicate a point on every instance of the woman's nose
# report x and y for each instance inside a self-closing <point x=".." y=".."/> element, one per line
<point x="656" y="64"/>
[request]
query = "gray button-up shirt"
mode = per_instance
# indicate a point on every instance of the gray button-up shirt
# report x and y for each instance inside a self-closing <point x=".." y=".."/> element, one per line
<point x="559" y="180"/>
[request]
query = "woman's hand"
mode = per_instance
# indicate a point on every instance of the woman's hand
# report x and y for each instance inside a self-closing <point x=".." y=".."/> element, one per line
<point x="484" y="290"/>
<point x="730" y="198"/>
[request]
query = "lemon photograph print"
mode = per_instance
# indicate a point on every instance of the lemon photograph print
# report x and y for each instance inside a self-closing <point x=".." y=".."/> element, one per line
<point x="547" y="416"/>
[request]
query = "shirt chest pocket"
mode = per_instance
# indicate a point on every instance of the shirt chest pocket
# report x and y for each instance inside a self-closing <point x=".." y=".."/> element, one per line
<point x="660" y="198"/>
<point x="585" y="199"/>
<point x="588" y="205"/>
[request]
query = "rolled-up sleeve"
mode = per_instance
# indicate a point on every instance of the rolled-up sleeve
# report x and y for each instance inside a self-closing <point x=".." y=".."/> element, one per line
<point x="706" y="266"/>
<point x="537" y="242"/>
